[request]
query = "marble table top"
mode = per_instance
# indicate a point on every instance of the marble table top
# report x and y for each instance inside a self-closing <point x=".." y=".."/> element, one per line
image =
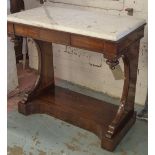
<point x="78" y="21"/>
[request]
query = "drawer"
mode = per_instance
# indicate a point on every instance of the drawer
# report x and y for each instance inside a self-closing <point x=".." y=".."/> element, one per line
<point x="87" y="43"/>
<point x="42" y="34"/>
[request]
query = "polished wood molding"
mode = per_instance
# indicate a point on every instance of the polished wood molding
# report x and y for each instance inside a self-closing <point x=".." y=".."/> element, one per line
<point x="110" y="49"/>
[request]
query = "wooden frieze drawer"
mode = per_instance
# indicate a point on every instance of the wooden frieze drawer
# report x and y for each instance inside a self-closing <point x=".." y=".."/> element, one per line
<point x="87" y="43"/>
<point x="42" y="34"/>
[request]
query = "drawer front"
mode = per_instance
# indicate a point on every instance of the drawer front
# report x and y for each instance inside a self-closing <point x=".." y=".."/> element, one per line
<point x="87" y="43"/>
<point x="42" y="34"/>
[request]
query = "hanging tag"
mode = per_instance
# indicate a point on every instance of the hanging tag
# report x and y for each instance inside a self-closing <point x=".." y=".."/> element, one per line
<point x="118" y="73"/>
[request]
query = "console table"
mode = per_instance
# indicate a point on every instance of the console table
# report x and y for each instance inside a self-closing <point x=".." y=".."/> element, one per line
<point x="114" y="36"/>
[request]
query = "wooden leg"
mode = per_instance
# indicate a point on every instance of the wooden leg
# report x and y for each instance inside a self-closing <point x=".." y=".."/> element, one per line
<point x="45" y="79"/>
<point x="125" y="115"/>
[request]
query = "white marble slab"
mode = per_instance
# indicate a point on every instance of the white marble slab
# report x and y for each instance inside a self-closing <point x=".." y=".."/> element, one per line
<point x="78" y="21"/>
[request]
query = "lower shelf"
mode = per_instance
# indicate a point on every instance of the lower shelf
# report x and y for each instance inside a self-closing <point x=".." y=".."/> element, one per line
<point x="83" y="111"/>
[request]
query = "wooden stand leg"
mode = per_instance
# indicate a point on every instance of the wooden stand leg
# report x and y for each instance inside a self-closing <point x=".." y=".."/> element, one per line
<point x="45" y="79"/>
<point x="125" y="116"/>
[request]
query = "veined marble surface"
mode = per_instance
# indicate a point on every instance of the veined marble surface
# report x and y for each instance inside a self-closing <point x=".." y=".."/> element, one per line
<point x="78" y="21"/>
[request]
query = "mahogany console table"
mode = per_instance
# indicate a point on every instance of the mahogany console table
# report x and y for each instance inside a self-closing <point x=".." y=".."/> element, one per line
<point x="114" y="36"/>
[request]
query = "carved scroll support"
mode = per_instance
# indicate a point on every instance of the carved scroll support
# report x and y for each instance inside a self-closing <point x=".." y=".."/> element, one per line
<point x="112" y="63"/>
<point x="126" y="107"/>
<point x="45" y="78"/>
<point x="114" y="126"/>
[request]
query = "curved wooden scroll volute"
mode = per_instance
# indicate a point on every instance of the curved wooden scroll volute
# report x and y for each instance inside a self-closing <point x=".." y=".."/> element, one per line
<point x="126" y="107"/>
<point x="45" y="78"/>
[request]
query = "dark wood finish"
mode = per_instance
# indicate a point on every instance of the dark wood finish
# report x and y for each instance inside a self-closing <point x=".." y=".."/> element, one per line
<point x="10" y="28"/>
<point x="126" y="108"/>
<point x="111" y="143"/>
<point x="109" y="122"/>
<point x="79" y="110"/>
<point x="42" y="34"/>
<point x="87" y="43"/>
<point x="74" y="108"/>
<point x="17" y="6"/>
<point x="45" y="79"/>
<point x="132" y="37"/>
<point x="110" y="49"/>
